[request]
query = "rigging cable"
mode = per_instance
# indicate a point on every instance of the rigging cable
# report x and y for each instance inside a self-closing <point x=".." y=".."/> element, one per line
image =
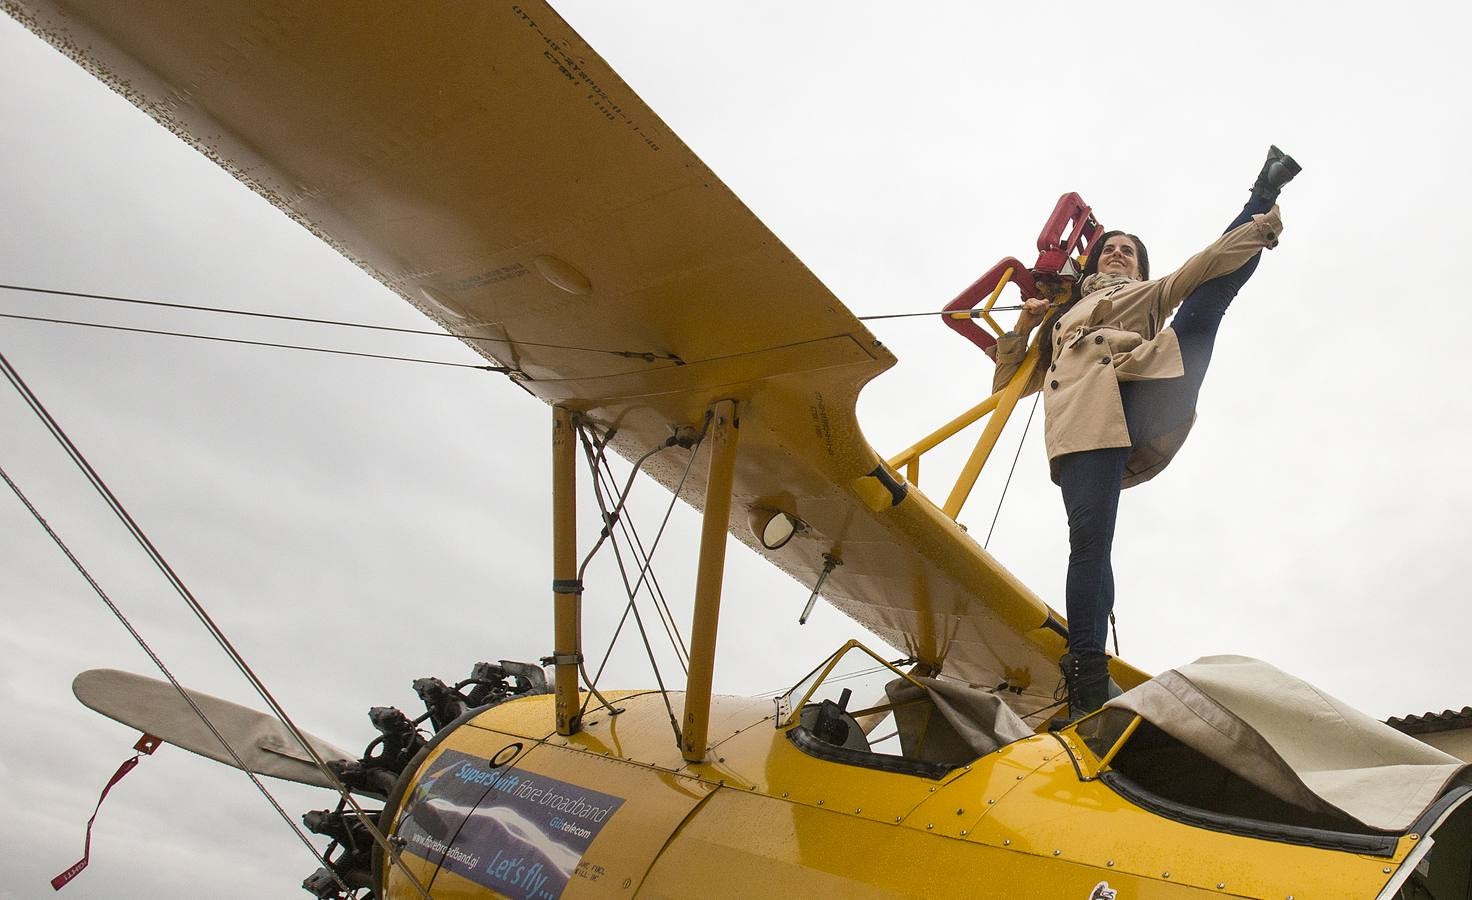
<point x="1008" y="483"/>
<point x="604" y="535"/>
<point x="197" y="608"/>
<point x="1043" y="709"/>
<point x="623" y="573"/>
<point x="656" y="593"/>
<point x="618" y="508"/>
<point x="833" y="679"/>
<point x="949" y="313"/>
<point x="645" y="355"/>
<point x="645" y="558"/>
<point x="504" y="370"/>
<point x="690" y="464"/>
<point x="159" y="663"/>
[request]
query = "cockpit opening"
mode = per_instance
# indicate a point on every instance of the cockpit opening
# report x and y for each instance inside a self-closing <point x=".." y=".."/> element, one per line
<point x="911" y="724"/>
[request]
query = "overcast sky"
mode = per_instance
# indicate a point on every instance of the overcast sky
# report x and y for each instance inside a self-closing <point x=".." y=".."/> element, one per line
<point x="355" y="524"/>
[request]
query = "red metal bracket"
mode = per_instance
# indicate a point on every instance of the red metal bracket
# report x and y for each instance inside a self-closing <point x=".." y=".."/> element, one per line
<point x="978" y="292"/>
<point x="1070" y="231"/>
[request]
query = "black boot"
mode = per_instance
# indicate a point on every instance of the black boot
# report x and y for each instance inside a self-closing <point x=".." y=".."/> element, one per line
<point x="1086" y="678"/>
<point x="1277" y="171"/>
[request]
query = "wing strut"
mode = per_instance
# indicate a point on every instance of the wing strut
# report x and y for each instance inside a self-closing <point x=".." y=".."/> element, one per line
<point x="708" y="578"/>
<point x="567" y="590"/>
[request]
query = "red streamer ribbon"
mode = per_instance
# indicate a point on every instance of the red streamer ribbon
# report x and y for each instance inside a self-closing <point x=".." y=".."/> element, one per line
<point x="145" y="746"/>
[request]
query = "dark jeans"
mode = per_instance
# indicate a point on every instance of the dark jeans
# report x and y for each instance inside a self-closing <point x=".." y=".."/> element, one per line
<point x="1091" y="479"/>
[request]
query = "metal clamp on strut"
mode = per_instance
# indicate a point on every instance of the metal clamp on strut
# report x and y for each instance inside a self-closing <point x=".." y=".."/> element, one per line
<point x="563" y="659"/>
<point x="567" y="586"/>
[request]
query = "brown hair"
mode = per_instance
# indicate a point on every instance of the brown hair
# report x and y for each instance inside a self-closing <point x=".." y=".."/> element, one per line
<point x="1097" y="249"/>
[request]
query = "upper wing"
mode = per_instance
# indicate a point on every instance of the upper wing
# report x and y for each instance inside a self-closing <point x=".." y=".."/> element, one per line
<point x="481" y="160"/>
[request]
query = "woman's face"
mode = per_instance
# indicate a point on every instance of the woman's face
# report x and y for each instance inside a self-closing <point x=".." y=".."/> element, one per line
<point x="1119" y="257"/>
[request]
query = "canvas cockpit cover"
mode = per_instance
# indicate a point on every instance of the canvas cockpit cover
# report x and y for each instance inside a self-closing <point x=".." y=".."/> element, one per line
<point x="950" y="722"/>
<point x="1293" y="741"/>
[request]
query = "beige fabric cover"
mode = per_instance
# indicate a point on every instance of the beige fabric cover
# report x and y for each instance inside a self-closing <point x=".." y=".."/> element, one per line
<point x="154" y="706"/>
<point x="970" y="723"/>
<point x="1294" y="741"/>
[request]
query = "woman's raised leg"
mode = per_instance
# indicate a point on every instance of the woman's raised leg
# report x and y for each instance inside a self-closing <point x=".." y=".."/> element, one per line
<point x="1156" y="408"/>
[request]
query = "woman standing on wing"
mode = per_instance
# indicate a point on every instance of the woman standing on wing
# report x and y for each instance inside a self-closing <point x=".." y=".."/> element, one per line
<point x="1119" y="389"/>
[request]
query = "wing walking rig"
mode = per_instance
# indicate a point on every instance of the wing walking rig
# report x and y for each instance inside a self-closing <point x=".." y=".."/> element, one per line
<point x="487" y="165"/>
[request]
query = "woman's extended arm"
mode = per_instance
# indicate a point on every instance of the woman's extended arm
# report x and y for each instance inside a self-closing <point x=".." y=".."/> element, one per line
<point x="1223" y="255"/>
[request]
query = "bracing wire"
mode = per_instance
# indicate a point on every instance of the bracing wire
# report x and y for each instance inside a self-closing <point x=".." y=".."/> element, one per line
<point x="618" y="508"/>
<point x="197" y="608"/>
<point x="675" y="498"/>
<point x="660" y="607"/>
<point x="656" y="593"/>
<point x="159" y="664"/>
<point x="645" y="355"/>
<point x="647" y="569"/>
<point x="833" y="679"/>
<point x="504" y="370"/>
<point x="605" y="534"/>
<point x="1042" y="709"/>
<point x="623" y="574"/>
<point x="1008" y="483"/>
<point x="627" y="354"/>
<point x="948" y="313"/>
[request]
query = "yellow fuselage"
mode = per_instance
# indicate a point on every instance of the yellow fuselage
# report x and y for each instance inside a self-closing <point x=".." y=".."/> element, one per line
<point x="762" y="818"/>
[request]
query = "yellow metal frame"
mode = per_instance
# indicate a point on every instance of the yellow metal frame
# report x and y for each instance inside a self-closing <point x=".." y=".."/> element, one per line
<point x="1119" y="742"/>
<point x="991" y="301"/>
<point x="827" y="669"/>
<point x="1000" y="404"/>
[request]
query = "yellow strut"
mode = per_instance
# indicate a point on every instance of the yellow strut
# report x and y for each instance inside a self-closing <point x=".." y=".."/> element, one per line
<point x="1000" y="404"/>
<point x="1006" y="400"/>
<point x="722" y="438"/>
<point x="567" y="598"/>
<point x="911" y="456"/>
<point x="986" y="308"/>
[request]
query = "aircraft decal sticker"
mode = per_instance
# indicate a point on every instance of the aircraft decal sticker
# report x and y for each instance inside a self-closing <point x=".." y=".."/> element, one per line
<point x="518" y="833"/>
<point x="1102" y="891"/>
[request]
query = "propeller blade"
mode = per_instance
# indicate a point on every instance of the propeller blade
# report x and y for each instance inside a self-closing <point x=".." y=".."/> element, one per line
<point x="153" y="706"/>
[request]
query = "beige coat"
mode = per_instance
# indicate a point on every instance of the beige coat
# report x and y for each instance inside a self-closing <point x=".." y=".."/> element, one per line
<point x="1118" y="334"/>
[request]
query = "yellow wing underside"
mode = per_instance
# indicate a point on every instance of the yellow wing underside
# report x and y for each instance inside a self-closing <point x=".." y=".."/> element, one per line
<point x="484" y="162"/>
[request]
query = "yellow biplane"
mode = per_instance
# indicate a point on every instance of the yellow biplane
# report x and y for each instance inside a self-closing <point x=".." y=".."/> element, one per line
<point x="496" y="173"/>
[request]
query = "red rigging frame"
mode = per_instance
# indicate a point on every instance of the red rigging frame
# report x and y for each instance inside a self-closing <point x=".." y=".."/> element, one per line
<point x="1069" y="232"/>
